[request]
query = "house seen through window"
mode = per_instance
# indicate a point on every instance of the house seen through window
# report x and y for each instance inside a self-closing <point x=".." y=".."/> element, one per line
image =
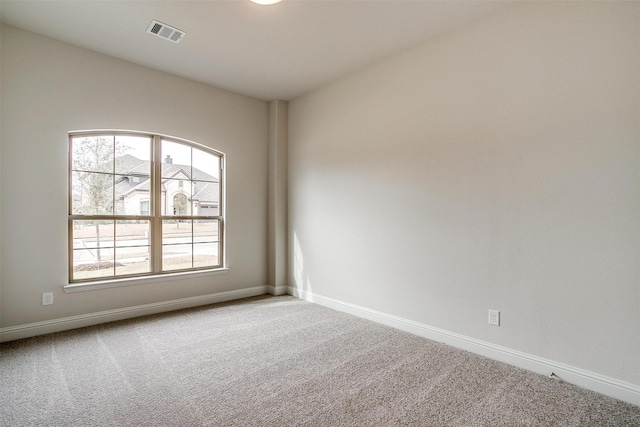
<point x="142" y="204"/>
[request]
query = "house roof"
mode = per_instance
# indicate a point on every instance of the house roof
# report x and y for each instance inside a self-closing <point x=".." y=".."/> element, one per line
<point x="206" y="188"/>
<point x="132" y="165"/>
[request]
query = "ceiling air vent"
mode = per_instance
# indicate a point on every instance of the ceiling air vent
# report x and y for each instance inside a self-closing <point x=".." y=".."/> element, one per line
<point x="165" y="31"/>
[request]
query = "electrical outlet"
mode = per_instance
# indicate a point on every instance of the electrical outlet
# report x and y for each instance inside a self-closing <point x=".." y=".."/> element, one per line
<point x="47" y="298"/>
<point x="494" y="317"/>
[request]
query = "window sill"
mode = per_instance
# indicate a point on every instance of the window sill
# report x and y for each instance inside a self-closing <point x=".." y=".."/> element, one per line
<point x="116" y="283"/>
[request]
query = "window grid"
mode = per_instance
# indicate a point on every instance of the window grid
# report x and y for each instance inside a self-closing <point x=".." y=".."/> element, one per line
<point x="107" y="248"/>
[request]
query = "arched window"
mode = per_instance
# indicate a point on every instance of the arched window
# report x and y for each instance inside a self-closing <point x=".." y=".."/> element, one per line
<point x="180" y="204"/>
<point x="133" y="205"/>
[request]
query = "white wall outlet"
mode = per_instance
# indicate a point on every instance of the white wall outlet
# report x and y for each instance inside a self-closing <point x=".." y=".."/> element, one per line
<point x="494" y="317"/>
<point x="47" y="298"/>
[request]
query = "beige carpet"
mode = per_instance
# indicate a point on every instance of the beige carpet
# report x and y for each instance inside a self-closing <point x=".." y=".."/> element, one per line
<point x="276" y="361"/>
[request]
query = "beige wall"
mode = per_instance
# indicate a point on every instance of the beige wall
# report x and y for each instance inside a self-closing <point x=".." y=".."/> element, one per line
<point x="277" y="232"/>
<point x="50" y="88"/>
<point x="496" y="167"/>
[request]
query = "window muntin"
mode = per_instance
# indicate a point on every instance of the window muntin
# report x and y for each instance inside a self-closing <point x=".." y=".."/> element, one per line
<point x="194" y="243"/>
<point x="132" y="216"/>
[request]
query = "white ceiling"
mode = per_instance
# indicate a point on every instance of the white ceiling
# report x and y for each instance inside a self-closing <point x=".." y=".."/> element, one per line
<point x="268" y="52"/>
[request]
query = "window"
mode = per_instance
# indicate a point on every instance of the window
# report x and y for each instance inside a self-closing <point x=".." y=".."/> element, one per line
<point x="144" y="207"/>
<point x="136" y="206"/>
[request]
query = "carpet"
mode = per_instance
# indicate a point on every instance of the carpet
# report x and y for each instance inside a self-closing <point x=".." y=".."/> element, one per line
<point x="276" y="361"/>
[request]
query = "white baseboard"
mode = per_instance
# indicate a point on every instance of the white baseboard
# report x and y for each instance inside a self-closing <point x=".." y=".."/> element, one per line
<point x="56" y="325"/>
<point x="599" y="383"/>
<point x="277" y="290"/>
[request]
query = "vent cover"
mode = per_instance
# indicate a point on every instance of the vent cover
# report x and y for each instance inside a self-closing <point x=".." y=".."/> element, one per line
<point x="165" y="31"/>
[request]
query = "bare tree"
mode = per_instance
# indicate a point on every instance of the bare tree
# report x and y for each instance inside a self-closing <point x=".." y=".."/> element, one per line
<point x="94" y="171"/>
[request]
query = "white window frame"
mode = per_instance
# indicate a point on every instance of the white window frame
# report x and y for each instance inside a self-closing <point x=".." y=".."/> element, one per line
<point x="155" y="217"/>
<point x="148" y="206"/>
